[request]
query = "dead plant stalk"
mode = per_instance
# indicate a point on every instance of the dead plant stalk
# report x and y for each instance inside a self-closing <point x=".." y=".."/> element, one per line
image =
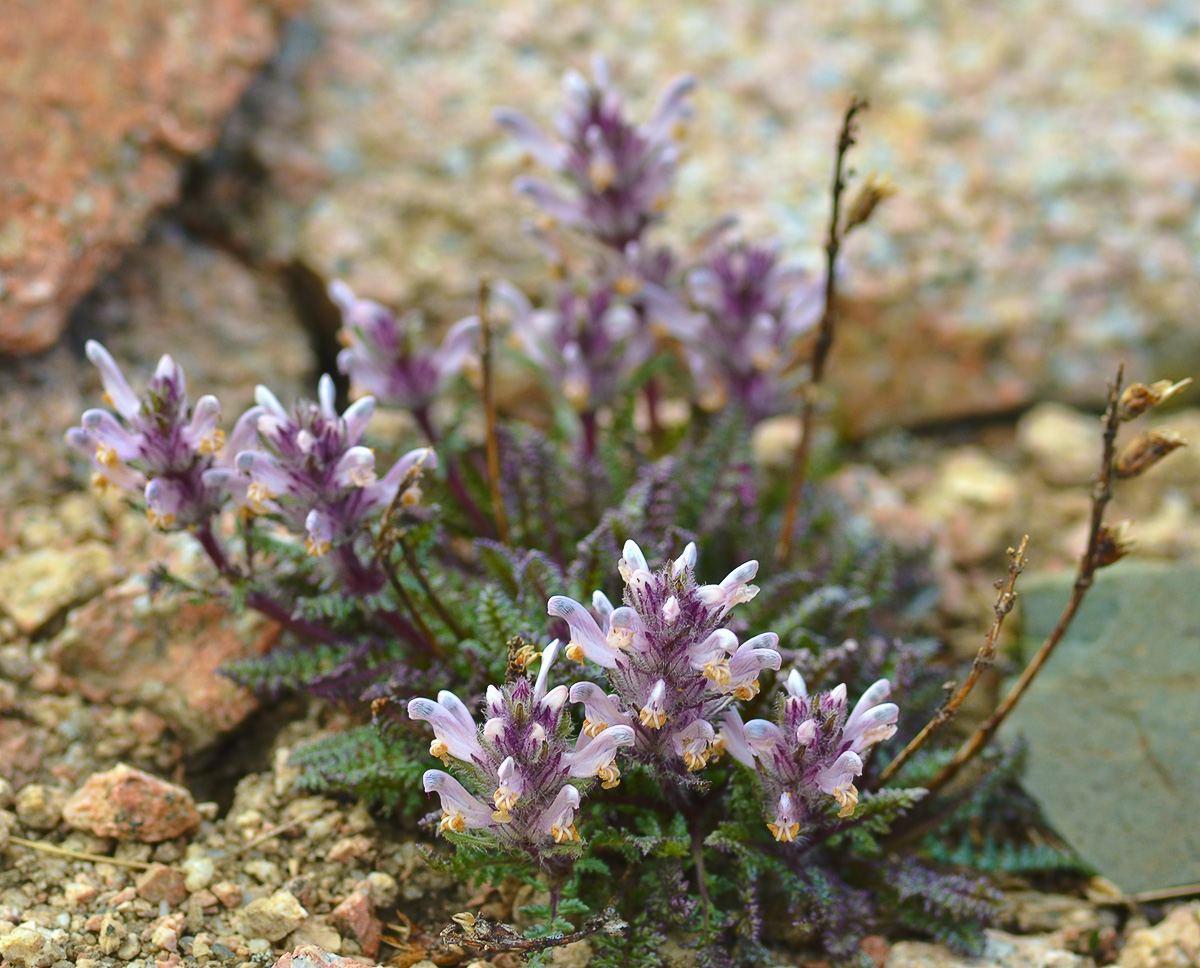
<point x="825" y="332"/>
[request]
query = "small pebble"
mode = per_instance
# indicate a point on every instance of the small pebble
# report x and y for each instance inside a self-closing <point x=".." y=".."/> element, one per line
<point x="40" y="807"/>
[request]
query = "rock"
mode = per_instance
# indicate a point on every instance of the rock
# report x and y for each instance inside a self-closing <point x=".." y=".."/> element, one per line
<point x="166" y="652"/>
<point x="112" y="933"/>
<point x="228" y="893"/>
<point x="1000" y="951"/>
<point x="1030" y="912"/>
<point x="1173" y="943"/>
<point x="8" y="821"/>
<point x="355" y="916"/>
<point x="98" y="106"/>
<point x="161" y="883"/>
<point x="198" y="869"/>
<point x="317" y="931"/>
<point x="350" y="848"/>
<point x="311" y="956"/>
<point x="974" y="501"/>
<point x="1064" y="444"/>
<point x="40" y="807"/>
<point x="272" y="917"/>
<point x="131" y="805"/>
<point x="37" y="585"/>
<point x="384" y="889"/>
<point x="31" y="945"/>
<point x="1112" y="721"/>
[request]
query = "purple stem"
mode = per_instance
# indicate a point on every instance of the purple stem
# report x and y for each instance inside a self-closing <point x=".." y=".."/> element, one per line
<point x="257" y="600"/>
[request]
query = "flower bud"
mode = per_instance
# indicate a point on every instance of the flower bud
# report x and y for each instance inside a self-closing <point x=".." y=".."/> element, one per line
<point x="1146" y="450"/>
<point x="1137" y="398"/>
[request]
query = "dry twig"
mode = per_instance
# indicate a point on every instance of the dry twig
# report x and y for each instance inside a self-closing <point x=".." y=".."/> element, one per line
<point x="1097" y="554"/>
<point x="1006" y="597"/>
<point x="77" y="854"/>
<point x="825" y="331"/>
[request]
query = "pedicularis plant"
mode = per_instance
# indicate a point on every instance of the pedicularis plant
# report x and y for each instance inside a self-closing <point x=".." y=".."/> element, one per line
<point x="704" y="766"/>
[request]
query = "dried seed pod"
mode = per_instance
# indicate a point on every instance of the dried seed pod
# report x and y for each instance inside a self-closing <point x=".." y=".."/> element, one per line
<point x="1138" y="397"/>
<point x="1146" y="450"/>
<point x="1112" y="544"/>
<point x="875" y="189"/>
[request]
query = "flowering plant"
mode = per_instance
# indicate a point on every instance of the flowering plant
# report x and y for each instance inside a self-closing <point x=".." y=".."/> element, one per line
<point x="703" y="762"/>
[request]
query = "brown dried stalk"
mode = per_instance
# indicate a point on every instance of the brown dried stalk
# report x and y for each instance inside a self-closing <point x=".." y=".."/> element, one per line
<point x="1006" y="597"/>
<point x="1095" y="556"/>
<point x="492" y="442"/>
<point x="825" y="332"/>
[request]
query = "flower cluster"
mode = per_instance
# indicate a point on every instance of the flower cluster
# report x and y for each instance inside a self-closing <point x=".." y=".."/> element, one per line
<point x="812" y="751"/>
<point x="156" y="444"/>
<point x="311" y="470"/>
<point x="386" y="357"/>
<point x="672" y="666"/>
<point x="305" y="467"/>
<point x="754" y="308"/>
<point x="589" y="343"/>
<point x="520" y="762"/>
<point x="620" y="172"/>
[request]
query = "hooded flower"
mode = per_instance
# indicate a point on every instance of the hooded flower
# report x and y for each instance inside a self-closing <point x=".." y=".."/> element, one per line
<point x="386" y="357"/>
<point x="589" y="344"/>
<point x="619" y="173"/>
<point x="521" y="761"/>
<point x="156" y="443"/>
<point x="754" y="308"/>
<point x="308" y="467"/>
<point x="672" y="667"/>
<point x="811" y="752"/>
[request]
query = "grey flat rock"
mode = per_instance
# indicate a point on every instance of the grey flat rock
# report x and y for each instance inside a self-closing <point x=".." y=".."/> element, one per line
<point x="1113" y="721"/>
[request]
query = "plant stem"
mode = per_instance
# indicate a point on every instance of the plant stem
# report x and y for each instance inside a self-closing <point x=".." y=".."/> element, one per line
<point x="414" y="566"/>
<point x="1005" y="599"/>
<point x="492" y="442"/>
<point x="825" y="332"/>
<point x="454" y="480"/>
<point x="1089" y="561"/>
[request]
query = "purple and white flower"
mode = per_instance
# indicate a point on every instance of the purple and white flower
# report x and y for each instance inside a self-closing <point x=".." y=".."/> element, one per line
<point x="156" y="444"/>
<point x="619" y="173"/>
<point x="754" y="308"/>
<point x="524" y="769"/>
<point x="387" y="357"/>
<point x="811" y="752"/>
<point x="672" y="666"/>
<point x="310" y="469"/>
<point x="588" y="344"/>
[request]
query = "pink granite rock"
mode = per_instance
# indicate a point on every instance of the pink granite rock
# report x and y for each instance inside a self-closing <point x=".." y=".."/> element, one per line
<point x="131" y="805"/>
<point x="100" y="101"/>
<point x="355" y="916"/>
<point x="310" y="956"/>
